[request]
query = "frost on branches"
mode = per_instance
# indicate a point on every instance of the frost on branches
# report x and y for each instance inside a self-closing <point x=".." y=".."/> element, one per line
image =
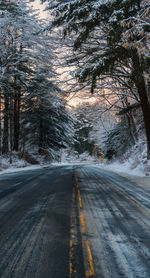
<point x="138" y="32"/>
<point x="33" y="117"/>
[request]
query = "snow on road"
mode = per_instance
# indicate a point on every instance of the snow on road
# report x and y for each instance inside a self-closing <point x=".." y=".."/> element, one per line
<point x="35" y="231"/>
<point x="117" y="216"/>
<point x="135" y="175"/>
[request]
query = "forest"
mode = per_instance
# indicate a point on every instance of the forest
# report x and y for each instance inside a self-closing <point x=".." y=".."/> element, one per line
<point x="33" y="116"/>
<point x="99" y="47"/>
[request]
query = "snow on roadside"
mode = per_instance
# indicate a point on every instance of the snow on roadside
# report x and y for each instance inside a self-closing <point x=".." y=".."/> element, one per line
<point x="20" y="164"/>
<point x="133" y="162"/>
<point x="27" y="168"/>
<point x="124" y="168"/>
<point x="136" y="175"/>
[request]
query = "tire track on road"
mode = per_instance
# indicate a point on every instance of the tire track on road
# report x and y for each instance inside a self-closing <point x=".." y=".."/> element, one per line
<point x="120" y="226"/>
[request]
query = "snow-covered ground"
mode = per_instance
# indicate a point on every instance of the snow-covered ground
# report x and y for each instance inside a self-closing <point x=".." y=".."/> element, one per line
<point x="136" y="175"/>
<point x="133" y="165"/>
<point x="14" y="169"/>
<point x="140" y="180"/>
<point x="18" y="165"/>
<point x="133" y="162"/>
<point x="125" y="167"/>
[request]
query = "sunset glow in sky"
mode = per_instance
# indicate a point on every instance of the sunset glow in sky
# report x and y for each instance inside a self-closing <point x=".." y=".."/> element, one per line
<point x="37" y="5"/>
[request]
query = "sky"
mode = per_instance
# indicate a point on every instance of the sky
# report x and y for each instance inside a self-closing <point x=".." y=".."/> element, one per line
<point x="74" y="99"/>
<point x="37" y="5"/>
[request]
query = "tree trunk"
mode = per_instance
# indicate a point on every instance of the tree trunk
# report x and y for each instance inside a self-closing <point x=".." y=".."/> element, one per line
<point x="5" y="148"/>
<point x="41" y="136"/>
<point x="0" y="121"/>
<point x="11" y="128"/>
<point x="130" y="127"/>
<point x="146" y="114"/>
<point x="134" y="127"/>
<point x="16" y="120"/>
<point x="141" y="87"/>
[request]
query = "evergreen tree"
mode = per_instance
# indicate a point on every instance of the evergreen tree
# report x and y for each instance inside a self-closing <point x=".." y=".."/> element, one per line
<point x="99" y="25"/>
<point x="30" y="101"/>
<point x="45" y="121"/>
<point x="83" y="127"/>
<point x="117" y="141"/>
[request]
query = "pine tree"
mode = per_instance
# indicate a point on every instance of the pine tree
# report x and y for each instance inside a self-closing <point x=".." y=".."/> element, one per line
<point x="45" y="122"/>
<point x="82" y="130"/>
<point x="99" y="24"/>
<point x="30" y="100"/>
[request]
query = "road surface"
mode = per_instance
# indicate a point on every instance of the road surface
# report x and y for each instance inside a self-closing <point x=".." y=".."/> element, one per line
<point x="73" y="222"/>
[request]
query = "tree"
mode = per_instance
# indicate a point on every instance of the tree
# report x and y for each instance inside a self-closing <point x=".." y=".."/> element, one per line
<point x="99" y="24"/>
<point x="82" y="130"/>
<point x="45" y="121"/>
<point x="137" y="34"/>
<point x="93" y="120"/>
<point x="14" y="65"/>
<point x="117" y="141"/>
<point x="30" y="100"/>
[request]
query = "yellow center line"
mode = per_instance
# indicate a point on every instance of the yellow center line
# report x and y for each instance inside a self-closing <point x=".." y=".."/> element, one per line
<point x="90" y="272"/>
<point x="87" y="254"/>
<point x="82" y="221"/>
<point x="79" y="198"/>
<point x="71" y="238"/>
<point x="90" y="259"/>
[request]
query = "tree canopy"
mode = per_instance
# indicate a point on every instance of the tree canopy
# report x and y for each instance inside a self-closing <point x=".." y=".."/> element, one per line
<point x="32" y="106"/>
<point x="106" y="50"/>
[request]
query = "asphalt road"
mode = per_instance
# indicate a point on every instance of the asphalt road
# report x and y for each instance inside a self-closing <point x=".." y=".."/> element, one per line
<point x="73" y="222"/>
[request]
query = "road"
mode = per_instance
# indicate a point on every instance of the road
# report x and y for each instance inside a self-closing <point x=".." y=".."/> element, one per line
<point x="73" y="222"/>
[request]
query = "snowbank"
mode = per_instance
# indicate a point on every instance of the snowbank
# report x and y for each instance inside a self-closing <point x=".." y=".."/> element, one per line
<point x="133" y="162"/>
<point x="19" y="164"/>
<point x="124" y="168"/>
<point x="14" y="169"/>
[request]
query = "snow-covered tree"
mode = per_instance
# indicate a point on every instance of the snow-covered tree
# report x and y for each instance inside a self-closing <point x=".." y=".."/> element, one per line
<point x="30" y="101"/>
<point x="97" y="29"/>
<point x="82" y="127"/>
<point x="93" y="121"/>
<point x="138" y="32"/>
<point x="117" y="141"/>
<point x="45" y="121"/>
<point x="16" y="37"/>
